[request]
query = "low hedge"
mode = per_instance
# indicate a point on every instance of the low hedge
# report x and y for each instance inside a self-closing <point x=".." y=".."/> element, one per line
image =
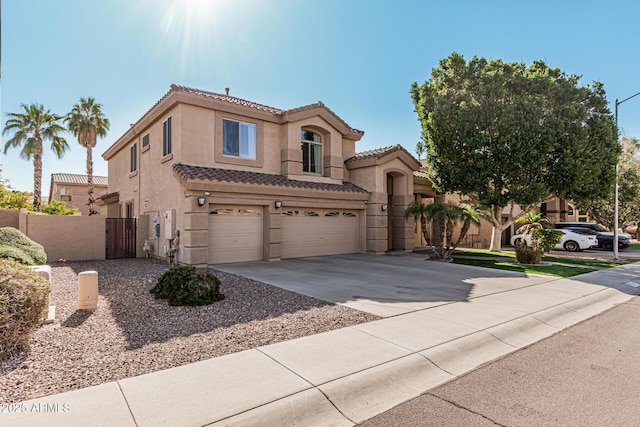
<point x="24" y="298"/>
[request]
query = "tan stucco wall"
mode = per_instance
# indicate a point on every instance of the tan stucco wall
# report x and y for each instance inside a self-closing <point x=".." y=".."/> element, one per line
<point x="9" y="218"/>
<point x="71" y="238"/>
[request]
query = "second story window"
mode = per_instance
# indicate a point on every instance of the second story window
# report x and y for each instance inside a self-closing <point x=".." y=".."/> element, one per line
<point x="166" y="137"/>
<point x="311" y="144"/>
<point x="145" y="141"/>
<point x="134" y="157"/>
<point x="238" y="139"/>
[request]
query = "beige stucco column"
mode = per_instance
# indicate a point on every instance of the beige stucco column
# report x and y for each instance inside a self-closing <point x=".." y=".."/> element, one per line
<point x="273" y="233"/>
<point x="194" y="239"/>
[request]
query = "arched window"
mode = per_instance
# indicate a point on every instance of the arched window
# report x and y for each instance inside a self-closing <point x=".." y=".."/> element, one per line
<point x="311" y="144"/>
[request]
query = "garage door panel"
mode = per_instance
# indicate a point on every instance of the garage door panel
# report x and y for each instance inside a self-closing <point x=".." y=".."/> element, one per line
<point x="235" y="234"/>
<point x="317" y="232"/>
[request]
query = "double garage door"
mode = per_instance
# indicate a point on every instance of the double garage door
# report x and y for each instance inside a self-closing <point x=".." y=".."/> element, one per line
<point x="236" y="233"/>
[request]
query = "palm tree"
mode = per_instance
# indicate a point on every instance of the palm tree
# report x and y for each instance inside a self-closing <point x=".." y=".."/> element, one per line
<point x="30" y="129"/>
<point x="87" y="122"/>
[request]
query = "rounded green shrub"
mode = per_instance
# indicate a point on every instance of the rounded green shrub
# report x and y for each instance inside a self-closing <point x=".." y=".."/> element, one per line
<point x="17" y="246"/>
<point x="24" y="298"/>
<point x="526" y="254"/>
<point x="185" y="285"/>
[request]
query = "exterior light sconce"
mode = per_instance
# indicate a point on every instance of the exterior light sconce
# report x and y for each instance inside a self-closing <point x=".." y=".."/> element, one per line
<point x="278" y="204"/>
<point x="384" y="208"/>
<point x="201" y="201"/>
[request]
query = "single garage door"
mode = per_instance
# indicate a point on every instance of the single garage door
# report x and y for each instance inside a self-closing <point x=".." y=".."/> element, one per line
<point x="316" y="232"/>
<point x="235" y="234"/>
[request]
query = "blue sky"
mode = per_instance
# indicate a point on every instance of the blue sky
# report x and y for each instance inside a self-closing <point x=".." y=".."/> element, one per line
<point x="359" y="57"/>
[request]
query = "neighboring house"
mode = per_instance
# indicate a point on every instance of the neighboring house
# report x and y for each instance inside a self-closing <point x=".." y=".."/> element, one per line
<point x="73" y="189"/>
<point x="232" y="180"/>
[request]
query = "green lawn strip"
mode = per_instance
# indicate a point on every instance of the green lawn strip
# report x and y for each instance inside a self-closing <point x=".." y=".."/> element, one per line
<point x="549" y="270"/>
<point x="576" y="261"/>
<point x="635" y="246"/>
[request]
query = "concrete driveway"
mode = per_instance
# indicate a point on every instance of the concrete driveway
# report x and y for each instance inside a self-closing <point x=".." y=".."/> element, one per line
<point x="384" y="285"/>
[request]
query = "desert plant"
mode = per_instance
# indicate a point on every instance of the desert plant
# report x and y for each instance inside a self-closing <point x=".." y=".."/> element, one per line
<point x="185" y="285"/>
<point x="543" y="238"/>
<point x="443" y="216"/>
<point x="24" y="297"/>
<point x="17" y="246"/>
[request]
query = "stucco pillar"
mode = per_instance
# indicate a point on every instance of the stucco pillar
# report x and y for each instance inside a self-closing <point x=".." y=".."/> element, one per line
<point x="377" y="230"/>
<point x="194" y="239"/>
<point x="22" y="220"/>
<point x="273" y="234"/>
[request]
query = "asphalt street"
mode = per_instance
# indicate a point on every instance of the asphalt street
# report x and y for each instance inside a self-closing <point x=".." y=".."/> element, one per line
<point x="586" y="375"/>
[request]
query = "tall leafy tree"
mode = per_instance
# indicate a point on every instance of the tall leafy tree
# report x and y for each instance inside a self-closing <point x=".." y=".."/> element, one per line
<point x="504" y="134"/>
<point x="601" y="209"/>
<point x="87" y="122"/>
<point x="31" y="128"/>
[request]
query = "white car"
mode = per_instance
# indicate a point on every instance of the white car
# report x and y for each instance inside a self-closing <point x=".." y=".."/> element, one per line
<point x="571" y="241"/>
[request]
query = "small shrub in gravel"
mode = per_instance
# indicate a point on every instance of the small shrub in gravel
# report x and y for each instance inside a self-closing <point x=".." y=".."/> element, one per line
<point x="24" y="297"/>
<point x="185" y="285"/>
<point x="17" y="246"/>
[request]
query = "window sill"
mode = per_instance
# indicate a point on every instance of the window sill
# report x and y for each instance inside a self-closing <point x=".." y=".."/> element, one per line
<point x="144" y="149"/>
<point x="166" y="158"/>
<point x="132" y="174"/>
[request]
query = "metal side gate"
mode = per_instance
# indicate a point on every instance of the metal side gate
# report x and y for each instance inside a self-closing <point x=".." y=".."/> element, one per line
<point x="121" y="238"/>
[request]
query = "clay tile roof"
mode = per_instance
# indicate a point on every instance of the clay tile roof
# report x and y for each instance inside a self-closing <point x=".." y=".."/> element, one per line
<point x="225" y="175"/>
<point x="78" y="179"/>
<point x="226" y="98"/>
<point x="379" y="152"/>
<point x="422" y="173"/>
<point x="320" y="104"/>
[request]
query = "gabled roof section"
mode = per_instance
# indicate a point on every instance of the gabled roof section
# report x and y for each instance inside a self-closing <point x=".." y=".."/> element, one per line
<point x="78" y="179"/>
<point x="190" y="172"/>
<point x="381" y="155"/>
<point x="179" y="93"/>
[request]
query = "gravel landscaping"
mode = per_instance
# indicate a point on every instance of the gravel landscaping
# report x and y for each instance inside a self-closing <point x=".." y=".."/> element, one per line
<point x="131" y="333"/>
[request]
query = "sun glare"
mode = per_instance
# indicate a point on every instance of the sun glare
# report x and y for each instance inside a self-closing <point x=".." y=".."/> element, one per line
<point x="191" y="32"/>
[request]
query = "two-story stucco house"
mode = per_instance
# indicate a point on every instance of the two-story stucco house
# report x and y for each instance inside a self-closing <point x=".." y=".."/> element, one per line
<point x="234" y="180"/>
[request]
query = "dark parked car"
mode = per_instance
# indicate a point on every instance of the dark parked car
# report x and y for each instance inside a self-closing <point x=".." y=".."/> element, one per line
<point x="605" y="241"/>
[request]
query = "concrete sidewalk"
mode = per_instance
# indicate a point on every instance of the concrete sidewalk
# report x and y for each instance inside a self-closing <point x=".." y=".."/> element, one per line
<point x="342" y="377"/>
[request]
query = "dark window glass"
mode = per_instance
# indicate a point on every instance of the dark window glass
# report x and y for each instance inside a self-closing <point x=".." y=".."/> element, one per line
<point x="134" y="157"/>
<point x="231" y="136"/>
<point x="145" y="141"/>
<point x="166" y="137"/>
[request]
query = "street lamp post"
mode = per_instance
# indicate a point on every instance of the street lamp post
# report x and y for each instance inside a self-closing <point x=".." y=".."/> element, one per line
<point x="615" y="205"/>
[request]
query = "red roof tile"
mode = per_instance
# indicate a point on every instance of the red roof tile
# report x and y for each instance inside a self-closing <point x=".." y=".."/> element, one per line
<point x="244" y="177"/>
<point x="379" y="153"/>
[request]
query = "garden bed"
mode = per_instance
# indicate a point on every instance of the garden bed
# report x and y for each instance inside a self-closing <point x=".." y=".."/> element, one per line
<point x="131" y="333"/>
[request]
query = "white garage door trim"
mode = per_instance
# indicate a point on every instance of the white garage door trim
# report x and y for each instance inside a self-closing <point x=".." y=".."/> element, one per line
<point x="235" y="234"/>
<point x="316" y="232"/>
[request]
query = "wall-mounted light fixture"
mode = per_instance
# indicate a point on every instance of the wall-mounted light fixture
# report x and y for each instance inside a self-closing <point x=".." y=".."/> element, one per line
<point x="278" y="204"/>
<point x="201" y="201"/>
<point x="384" y="208"/>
